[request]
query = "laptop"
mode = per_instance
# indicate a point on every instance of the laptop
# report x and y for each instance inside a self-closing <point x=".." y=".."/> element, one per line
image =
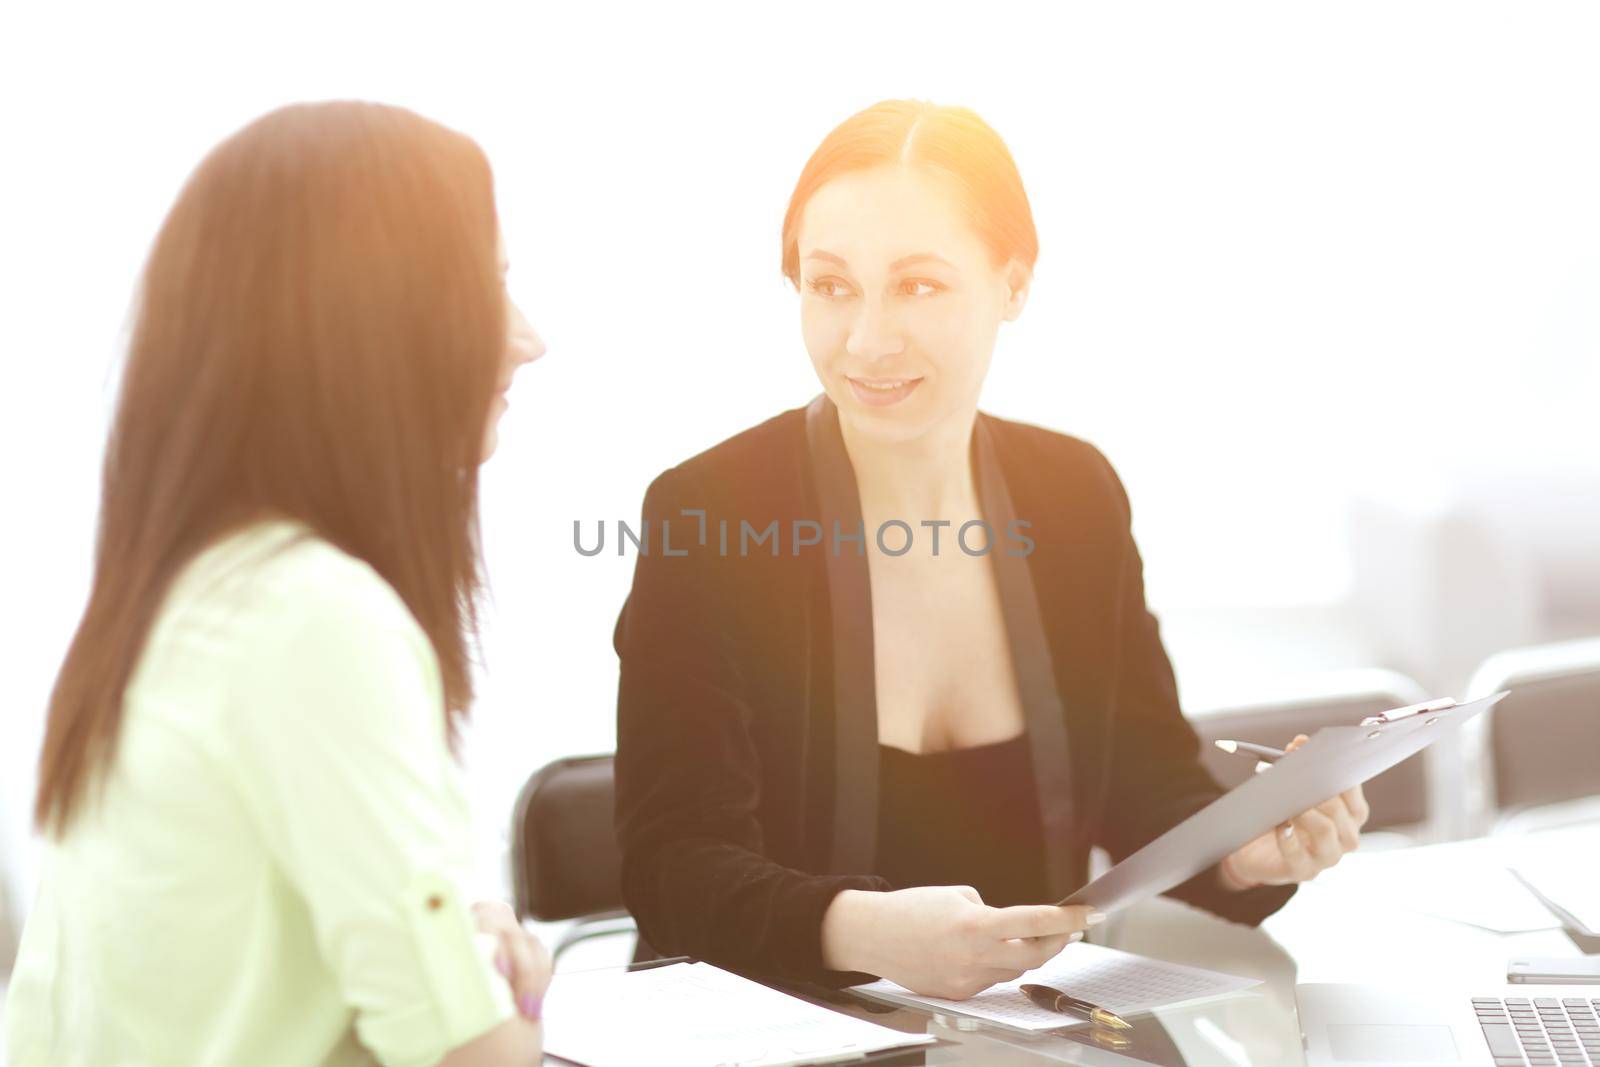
<point x="1505" y="1026"/>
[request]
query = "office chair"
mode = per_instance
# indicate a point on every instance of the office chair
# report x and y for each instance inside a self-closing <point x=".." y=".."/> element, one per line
<point x="1399" y="798"/>
<point x="564" y="858"/>
<point x="1539" y="748"/>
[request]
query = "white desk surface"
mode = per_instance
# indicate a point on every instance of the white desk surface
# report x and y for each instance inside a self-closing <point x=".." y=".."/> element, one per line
<point x="1325" y="934"/>
<point x="1331" y="933"/>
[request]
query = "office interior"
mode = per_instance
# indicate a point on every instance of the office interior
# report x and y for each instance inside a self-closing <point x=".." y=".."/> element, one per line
<point x="1323" y="285"/>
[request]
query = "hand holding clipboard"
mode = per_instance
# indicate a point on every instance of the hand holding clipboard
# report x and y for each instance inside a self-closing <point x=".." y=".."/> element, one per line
<point x="1334" y="760"/>
<point x="1303" y="847"/>
<point x="1314" y="840"/>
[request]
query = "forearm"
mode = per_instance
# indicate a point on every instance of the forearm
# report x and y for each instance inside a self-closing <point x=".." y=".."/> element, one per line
<point x="849" y="931"/>
<point x="736" y="908"/>
<point x="1215" y="891"/>
<point x="1140" y="808"/>
<point x="515" y="1041"/>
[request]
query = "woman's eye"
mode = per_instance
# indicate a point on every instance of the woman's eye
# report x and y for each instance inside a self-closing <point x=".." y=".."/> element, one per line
<point x="826" y="287"/>
<point x="919" y="287"/>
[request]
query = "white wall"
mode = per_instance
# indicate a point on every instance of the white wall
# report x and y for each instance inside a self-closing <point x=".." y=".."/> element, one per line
<point x="1290" y="255"/>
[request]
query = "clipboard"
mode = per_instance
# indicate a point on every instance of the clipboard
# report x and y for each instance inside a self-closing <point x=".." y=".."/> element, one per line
<point x="1335" y="759"/>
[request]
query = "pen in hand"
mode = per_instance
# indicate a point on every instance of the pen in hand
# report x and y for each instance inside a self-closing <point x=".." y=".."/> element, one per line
<point x="1245" y="748"/>
<point x="1264" y="756"/>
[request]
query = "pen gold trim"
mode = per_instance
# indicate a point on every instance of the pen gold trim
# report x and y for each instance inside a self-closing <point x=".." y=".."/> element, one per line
<point x="1102" y="1017"/>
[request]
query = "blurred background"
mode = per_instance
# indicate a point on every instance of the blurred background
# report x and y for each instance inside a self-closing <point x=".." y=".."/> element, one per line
<point x="1322" y="281"/>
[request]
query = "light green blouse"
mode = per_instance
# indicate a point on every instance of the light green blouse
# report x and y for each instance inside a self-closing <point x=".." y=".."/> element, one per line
<point x="274" y="872"/>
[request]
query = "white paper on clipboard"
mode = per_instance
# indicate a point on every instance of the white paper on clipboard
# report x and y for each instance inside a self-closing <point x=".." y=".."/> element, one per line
<point x="1335" y="759"/>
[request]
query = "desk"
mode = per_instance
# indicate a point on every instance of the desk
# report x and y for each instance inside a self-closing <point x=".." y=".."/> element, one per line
<point x="1319" y="936"/>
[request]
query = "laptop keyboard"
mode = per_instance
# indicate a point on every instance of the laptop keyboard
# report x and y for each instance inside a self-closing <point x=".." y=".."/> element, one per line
<point x="1541" y="1031"/>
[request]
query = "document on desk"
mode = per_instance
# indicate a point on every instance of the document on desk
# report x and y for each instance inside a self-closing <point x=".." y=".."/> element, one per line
<point x="1462" y="881"/>
<point x="1335" y="759"/>
<point x="1563" y="878"/>
<point x="1124" y="983"/>
<point x="697" y="1015"/>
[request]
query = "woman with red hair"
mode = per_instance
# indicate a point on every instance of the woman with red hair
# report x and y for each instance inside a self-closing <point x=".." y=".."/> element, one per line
<point x="875" y="715"/>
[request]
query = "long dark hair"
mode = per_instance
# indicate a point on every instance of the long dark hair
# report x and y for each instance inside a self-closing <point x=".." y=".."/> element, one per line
<point x="318" y="334"/>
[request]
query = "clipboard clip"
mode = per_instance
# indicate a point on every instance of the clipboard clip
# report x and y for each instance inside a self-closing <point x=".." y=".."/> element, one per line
<point x="1385" y="717"/>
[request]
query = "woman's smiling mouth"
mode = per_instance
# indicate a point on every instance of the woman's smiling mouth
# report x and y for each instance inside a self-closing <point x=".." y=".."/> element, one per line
<point x="882" y="392"/>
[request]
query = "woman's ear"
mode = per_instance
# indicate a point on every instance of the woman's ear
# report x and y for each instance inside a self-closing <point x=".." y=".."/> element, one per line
<point x="1018" y="279"/>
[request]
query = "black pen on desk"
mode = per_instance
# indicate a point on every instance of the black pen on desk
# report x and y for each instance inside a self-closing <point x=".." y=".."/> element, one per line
<point x="1052" y="999"/>
<point x="1264" y="756"/>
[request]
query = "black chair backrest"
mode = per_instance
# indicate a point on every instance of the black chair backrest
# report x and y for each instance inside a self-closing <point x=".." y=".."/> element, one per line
<point x="564" y="858"/>
<point x="1398" y="797"/>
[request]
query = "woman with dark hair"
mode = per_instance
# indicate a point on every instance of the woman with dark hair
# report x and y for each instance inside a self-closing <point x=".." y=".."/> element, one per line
<point x="896" y="676"/>
<point x="256" y="830"/>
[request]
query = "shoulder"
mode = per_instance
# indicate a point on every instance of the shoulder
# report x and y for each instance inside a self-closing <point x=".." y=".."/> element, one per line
<point x="333" y="653"/>
<point x="765" y="461"/>
<point x="272" y="630"/>
<point x="1071" y="466"/>
<point x="276" y="594"/>
<point x="299" y="581"/>
<point x="326" y="583"/>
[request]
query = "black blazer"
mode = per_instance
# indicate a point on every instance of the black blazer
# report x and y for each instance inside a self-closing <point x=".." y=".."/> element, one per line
<point x="745" y="790"/>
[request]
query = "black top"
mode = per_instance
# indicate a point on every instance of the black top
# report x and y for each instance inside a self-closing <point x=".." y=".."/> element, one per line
<point x="746" y="774"/>
<point x="966" y="816"/>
